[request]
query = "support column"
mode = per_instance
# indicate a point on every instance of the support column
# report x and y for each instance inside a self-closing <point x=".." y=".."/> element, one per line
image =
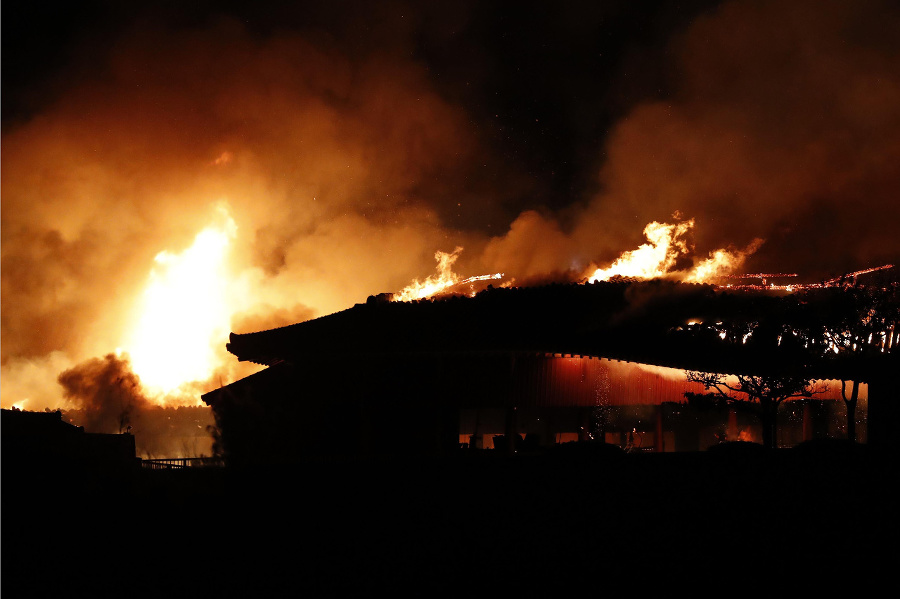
<point x="731" y="432"/>
<point x="884" y="408"/>
<point x="807" y="432"/>
<point x="659" y="446"/>
<point x="512" y="430"/>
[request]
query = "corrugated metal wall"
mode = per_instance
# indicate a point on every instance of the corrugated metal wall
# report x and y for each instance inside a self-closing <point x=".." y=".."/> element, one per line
<point x="561" y="381"/>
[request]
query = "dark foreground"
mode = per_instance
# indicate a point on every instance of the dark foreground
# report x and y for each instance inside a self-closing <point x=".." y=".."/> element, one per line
<point x="567" y="522"/>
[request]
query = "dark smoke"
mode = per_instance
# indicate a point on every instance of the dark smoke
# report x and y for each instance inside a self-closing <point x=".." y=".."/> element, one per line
<point x="106" y="392"/>
<point x="105" y="396"/>
<point x="783" y="125"/>
<point x="780" y="123"/>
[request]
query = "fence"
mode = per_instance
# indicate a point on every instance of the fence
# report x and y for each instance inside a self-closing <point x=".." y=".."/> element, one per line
<point x="181" y="463"/>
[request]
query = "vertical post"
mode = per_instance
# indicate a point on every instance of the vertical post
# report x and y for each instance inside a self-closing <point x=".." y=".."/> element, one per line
<point x="511" y="431"/>
<point x="732" y="431"/>
<point x="883" y="407"/>
<point x="659" y="446"/>
<point x="807" y="430"/>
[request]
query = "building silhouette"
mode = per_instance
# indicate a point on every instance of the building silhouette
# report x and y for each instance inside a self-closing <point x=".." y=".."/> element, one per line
<point x="512" y="369"/>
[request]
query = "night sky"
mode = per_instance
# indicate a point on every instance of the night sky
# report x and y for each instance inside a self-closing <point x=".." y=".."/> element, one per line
<point x="350" y="141"/>
<point x="542" y="84"/>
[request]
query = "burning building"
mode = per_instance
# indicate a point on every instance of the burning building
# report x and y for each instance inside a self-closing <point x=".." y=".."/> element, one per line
<point x="540" y="366"/>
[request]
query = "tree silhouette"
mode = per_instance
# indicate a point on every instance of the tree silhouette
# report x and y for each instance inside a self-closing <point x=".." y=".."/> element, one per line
<point x="766" y="392"/>
<point x="854" y="324"/>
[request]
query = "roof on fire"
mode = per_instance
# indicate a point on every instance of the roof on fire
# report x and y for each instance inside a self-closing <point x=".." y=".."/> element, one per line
<point x="642" y="322"/>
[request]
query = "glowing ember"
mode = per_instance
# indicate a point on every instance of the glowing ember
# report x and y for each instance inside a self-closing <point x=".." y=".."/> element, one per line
<point x="441" y="282"/>
<point x="850" y="278"/>
<point x="183" y="313"/>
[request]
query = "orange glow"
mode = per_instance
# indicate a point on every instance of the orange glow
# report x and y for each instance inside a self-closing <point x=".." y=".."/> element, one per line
<point x="746" y="435"/>
<point x="667" y="243"/>
<point x="184" y="313"/>
<point x="720" y="263"/>
<point x="442" y="281"/>
<point x="653" y="259"/>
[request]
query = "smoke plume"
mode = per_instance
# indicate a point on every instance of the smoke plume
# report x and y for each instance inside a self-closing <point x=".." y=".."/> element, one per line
<point x="105" y="391"/>
<point x="347" y="159"/>
<point x="781" y="125"/>
<point x="105" y="396"/>
<point x="342" y="172"/>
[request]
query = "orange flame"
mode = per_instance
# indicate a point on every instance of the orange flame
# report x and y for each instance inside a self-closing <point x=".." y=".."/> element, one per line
<point x="441" y="282"/>
<point x="721" y="262"/>
<point x="653" y="259"/>
<point x="184" y="312"/>
<point x="746" y="435"/>
<point x="666" y="244"/>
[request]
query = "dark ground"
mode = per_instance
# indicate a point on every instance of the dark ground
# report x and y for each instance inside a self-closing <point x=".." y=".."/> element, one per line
<point x="574" y="520"/>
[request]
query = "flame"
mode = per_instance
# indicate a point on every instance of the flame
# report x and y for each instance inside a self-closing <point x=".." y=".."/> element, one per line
<point x="653" y="259"/>
<point x="746" y="435"/>
<point x="721" y="262"/>
<point x="183" y="312"/>
<point x="442" y="281"/>
<point x="667" y="243"/>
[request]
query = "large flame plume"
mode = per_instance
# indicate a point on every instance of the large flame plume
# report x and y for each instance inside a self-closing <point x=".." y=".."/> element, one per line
<point x="667" y="246"/>
<point x="186" y="310"/>
<point x="653" y="259"/>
